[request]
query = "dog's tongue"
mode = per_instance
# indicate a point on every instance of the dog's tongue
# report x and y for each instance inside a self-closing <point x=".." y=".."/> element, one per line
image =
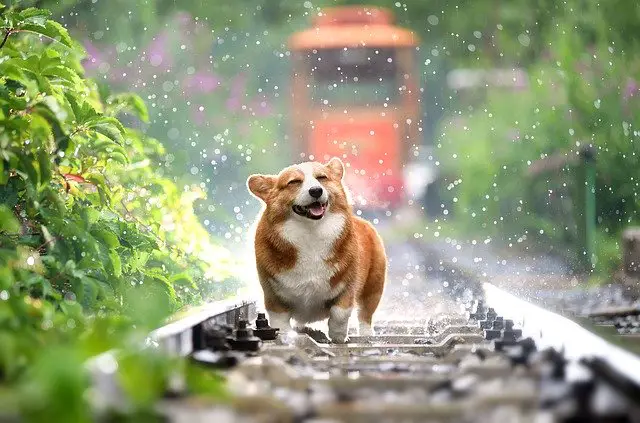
<point x="316" y="209"/>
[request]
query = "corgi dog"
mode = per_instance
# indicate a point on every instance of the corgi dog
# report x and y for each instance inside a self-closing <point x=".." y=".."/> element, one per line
<point x="315" y="259"/>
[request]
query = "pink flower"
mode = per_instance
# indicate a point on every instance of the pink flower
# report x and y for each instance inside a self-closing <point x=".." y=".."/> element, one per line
<point x="96" y="56"/>
<point x="261" y="106"/>
<point x="200" y="83"/>
<point x="631" y="89"/>
<point x="236" y="93"/>
<point x="157" y="51"/>
<point x="233" y="104"/>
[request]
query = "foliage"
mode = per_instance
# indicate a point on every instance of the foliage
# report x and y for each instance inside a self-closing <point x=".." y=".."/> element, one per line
<point x="219" y="114"/>
<point x="583" y="91"/>
<point x="96" y="245"/>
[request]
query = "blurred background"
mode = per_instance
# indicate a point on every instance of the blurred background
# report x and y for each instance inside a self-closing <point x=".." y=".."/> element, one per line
<point x="486" y="139"/>
<point x="517" y="118"/>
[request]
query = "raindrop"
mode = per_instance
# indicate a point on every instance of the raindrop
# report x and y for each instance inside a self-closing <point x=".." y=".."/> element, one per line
<point x="524" y="40"/>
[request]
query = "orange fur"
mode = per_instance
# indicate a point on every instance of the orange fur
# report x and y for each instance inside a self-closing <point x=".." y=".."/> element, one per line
<point x="292" y="268"/>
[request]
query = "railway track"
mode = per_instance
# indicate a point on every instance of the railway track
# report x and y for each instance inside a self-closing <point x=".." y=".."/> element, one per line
<point x="448" y="348"/>
<point x="500" y="359"/>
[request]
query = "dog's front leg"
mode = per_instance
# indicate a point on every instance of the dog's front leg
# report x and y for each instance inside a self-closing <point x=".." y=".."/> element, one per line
<point x="279" y="316"/>
<point x="339" y="318"/>
<point x="280" y="320"/>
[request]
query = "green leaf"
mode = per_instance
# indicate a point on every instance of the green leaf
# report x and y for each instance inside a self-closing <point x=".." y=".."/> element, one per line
<point x="44" y="165"/>
<point x="63" y="73"/>
<point x="116" y="263"/>
<point x="51" y="109"/>
<point x="139" y="259"/>
<point x="33" y="16"/>
<point x="8" y="222"/>
<point x="99" y="181"/>
<point x="52" y="30"/>
<point x="27" y="168"/>
<point x="71" y="308"/>
<point x="93" y="289"/>
<point x="107" y="237"/>
<point x="9" y="70"/>
<point x="183" y="279"/>
<point x="129" y="102"/>
<point x="118" y="157"/>
<point x="150" y="370"/>
<point x="75" y="106"/>
<point x="44" y="85"/>
<point x="103" y="121"/>
<point x="156" y="274"/>
<point x="110" y="132"/>
<point x="89" y="216"/>
<point x="54" y="199"/>
<point x="96" y="178"/>
<point x="39" y="129"/>
<point x="4" y="172"/>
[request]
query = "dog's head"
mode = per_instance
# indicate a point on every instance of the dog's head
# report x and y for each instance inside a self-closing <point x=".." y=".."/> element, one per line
<point x="305" y="191"/>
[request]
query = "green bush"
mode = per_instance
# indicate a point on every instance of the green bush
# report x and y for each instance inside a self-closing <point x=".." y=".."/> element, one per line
<point x="95" y="244"/>
<point x="583" y="90"/>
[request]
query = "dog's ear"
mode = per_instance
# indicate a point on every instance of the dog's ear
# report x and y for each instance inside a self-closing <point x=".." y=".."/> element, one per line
<point x="260" y="185"/>
<point x="336" y="167"/>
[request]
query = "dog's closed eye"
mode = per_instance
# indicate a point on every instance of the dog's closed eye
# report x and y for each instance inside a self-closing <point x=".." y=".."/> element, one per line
<point x="294" y="182"/>
<point x="321" y="177"/>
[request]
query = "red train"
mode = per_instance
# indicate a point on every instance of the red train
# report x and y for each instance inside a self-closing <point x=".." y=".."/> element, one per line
<point x="355" y="95"/>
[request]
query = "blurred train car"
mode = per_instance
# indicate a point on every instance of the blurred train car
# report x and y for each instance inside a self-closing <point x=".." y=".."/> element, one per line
<point x="355" y="95"/>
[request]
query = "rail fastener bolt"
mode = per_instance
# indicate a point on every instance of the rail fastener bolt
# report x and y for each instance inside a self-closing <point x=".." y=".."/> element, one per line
<point x="215" y="339"/>
<point x="228" y="329"/>
<point x="522" y="351"/>
<point x="558" y="363"/>
<point x="509" y="337"/>
<point x="491" y="314"/>
<point x="496" y="330"/>
<point x="487" y="323"/>
<point x="245" y="340"/>
<point x="498" y="323"/>
<point x="480" y="313"/>
<point x="263" y="330"/>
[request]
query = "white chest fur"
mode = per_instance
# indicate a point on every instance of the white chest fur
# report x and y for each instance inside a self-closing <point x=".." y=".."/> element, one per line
<point x="306" y="287"/>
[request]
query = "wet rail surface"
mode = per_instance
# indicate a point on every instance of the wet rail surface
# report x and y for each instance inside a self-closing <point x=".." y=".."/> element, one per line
<point x="446" y="349"/>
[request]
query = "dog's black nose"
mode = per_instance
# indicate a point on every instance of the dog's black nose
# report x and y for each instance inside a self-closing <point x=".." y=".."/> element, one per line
<point x="315" y="192"/>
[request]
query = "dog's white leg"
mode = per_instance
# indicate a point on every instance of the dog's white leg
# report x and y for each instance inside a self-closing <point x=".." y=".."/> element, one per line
<point x="339" y="324"/>
<point x="281" y="321"/>
<point x="365" y="329"/>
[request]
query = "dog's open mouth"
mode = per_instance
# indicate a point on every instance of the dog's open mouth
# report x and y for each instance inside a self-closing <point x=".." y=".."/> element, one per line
<point x="313" y="211"/>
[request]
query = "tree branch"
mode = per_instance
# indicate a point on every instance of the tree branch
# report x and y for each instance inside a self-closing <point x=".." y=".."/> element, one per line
<point x="6" y="37"/>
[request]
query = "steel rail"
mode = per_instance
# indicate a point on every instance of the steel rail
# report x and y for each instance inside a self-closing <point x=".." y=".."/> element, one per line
<point x="183" y="335"/>
<point x="550" y="329"/>
<point x="178" y="337"/>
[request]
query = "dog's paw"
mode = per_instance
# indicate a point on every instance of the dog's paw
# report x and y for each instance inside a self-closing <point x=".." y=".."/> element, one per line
<point x="338" y="338"/>
<point x="365" y="330"/>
